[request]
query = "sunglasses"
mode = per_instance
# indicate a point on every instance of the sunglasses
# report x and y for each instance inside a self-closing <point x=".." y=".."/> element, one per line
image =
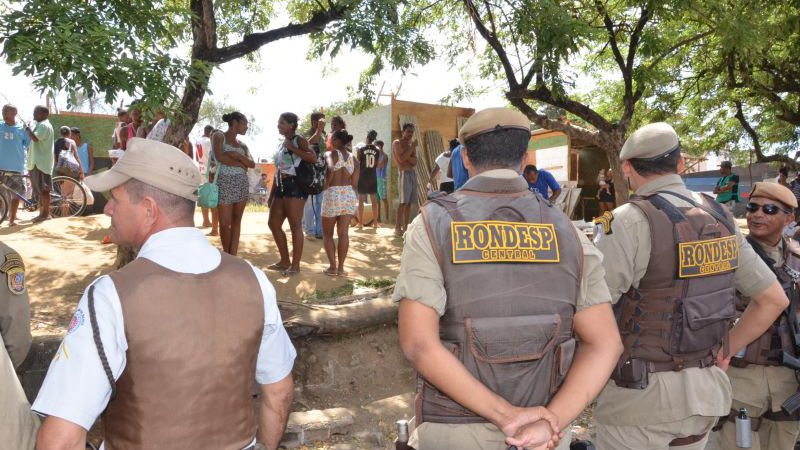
<point x="769" y="208"/>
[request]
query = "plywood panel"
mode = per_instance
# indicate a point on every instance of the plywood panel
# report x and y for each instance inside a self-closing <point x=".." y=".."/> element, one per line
<point x="433" y="147"/>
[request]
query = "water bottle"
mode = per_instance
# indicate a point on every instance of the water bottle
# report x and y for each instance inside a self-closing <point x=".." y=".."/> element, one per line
<point x="744" y="436"/>
<point x="402" y="435"/>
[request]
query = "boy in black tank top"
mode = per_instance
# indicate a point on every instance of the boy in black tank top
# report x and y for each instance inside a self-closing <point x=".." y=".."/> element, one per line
<point x="368" y="155"/>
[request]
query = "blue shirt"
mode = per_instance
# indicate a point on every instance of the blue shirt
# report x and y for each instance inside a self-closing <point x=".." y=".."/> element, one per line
<point x="380" y="172"/>
<point x="83" y="154"/>
<point x="13" y="142"/>
<point x="460" y="174"/>
<point x="544" y="181"/>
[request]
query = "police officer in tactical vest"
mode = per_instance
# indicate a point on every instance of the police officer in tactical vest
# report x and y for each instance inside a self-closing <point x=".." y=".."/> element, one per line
<point x="763" y="374"/>
<point x="495" y="286"/>
<point x="18" y="423"/>
<point x="673" y="261"/>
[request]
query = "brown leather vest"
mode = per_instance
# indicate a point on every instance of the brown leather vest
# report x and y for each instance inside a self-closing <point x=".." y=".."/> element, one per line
<point x="191" y="360"/>
<point x="680" y="313"/>
<point x="508" y="319"/>
<point x="767" y="349"/>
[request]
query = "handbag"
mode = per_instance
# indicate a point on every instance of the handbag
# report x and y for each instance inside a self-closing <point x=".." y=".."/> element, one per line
<point x="67" y="164"/>
<point x="310" y="177"/>
<point x="208" y="193"/>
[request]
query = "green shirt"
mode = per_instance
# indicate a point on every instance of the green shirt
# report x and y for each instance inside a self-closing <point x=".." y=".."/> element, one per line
<point x="41" y="153"/>
<point x="733" y="194"/>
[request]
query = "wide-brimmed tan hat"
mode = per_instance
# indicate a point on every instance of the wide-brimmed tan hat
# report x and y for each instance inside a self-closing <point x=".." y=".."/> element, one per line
<point x="152" y="162"/>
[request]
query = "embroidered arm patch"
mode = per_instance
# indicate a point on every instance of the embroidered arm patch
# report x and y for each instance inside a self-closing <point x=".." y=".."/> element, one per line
<point x="605" y="220"/>
<point x="14" y="269"/>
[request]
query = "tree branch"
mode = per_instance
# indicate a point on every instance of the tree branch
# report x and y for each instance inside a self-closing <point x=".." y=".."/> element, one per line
<point x="574" y="131"/>
<point x="493" y="42"/>
<point x="253" y="42"/>
<point x="677" y="47"/>
<point x="543" y="94"/>
<point x="748" y="128"/>
<point x="612" y="36"/>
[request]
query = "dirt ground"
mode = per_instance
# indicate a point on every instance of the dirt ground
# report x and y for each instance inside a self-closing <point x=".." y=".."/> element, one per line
<point x="63" y="256"/>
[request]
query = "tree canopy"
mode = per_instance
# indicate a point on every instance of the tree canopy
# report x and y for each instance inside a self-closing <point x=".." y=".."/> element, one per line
<point x="165" y="51"/>
<point x="612" y="65"/>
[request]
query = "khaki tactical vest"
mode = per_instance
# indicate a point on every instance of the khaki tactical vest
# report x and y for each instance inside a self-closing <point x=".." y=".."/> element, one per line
<point x="512" y="273"/>
<point x="768" y="349"/>
<point x="680" y="314"/>
<point x="191" y="360"/>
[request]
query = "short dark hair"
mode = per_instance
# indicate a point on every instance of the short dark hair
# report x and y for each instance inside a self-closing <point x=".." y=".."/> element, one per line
<point x="75" y="130"/>
<point x="453" y="144"/>
<point x="407" y="125"/>
<point x="784" y="171"/>
<point x="530" y="168"/>
<point x="208" y="128"/>
<point x="379" y="143"/>
<point x="317" y="116"/>
<point x="291" y="119"/>
<point x="662" y="165"/>
<point x="372" y="133"/>
<point x="342" y="136"/>
<point x="64" y="130"/>
<point x="499" y="149"/>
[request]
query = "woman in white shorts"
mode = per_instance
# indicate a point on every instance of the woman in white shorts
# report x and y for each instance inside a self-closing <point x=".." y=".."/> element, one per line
<point x="339" y="201"/>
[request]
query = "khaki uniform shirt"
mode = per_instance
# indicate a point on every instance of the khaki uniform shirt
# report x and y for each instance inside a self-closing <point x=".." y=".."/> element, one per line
<point x="421" y="280"/>
<point x="18" y="424"/>
<point x="670" y="396"/>
<point x="764" y="387"/>
<point x="15" y="313"/>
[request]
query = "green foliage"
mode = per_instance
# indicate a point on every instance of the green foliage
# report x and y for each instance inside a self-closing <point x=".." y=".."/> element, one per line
<point x="109" y="47"/>
<point x="752" y="57"/>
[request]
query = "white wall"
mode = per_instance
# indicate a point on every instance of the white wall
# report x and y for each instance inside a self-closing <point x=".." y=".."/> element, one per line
<point x="378" y="118"/>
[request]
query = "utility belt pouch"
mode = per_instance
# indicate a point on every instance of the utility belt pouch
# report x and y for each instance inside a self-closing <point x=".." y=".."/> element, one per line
<point x="631" y="374"/>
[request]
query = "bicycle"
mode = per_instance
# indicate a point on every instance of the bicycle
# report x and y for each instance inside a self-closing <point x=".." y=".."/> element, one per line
<point x="67" y="197"/>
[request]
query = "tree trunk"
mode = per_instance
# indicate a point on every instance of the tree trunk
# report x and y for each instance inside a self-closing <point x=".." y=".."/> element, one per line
<point x="189" y="109"/>
<point x="303" y="320"/>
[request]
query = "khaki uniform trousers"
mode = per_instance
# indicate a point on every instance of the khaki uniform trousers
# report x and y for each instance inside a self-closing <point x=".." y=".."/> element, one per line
<point x="18" y="424"/>
<point x="759" y="389"/>
<point x="654" y="437"/>
<point x="477" y="436"/>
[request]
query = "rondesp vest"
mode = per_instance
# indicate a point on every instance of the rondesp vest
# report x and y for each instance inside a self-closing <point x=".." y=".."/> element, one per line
<point x="681" y="312"/>
<point x="767" y="349"/>
<point x="193" y="340"/>
<point x="512" y="273"/>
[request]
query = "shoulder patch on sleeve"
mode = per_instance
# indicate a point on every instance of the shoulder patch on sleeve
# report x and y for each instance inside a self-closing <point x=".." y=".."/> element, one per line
<point x="14" y="269"/>
<point x="605" y="221"/>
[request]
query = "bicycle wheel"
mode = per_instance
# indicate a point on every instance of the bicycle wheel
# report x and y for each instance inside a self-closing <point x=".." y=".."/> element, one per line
<point x="3" y="207"/>
<point x="67" y="197"/>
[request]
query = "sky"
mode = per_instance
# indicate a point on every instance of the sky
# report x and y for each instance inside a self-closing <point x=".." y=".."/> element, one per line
<point x="287" y="81"/>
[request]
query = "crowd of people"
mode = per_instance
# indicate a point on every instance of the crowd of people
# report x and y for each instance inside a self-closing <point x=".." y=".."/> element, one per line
<point x="505" y="310"/>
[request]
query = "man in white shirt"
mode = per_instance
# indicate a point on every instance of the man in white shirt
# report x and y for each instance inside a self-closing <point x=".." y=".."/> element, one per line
<point x="168" y="346"/>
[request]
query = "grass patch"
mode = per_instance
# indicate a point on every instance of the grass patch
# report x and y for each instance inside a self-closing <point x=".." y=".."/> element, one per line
<point x="349" y="287"/>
